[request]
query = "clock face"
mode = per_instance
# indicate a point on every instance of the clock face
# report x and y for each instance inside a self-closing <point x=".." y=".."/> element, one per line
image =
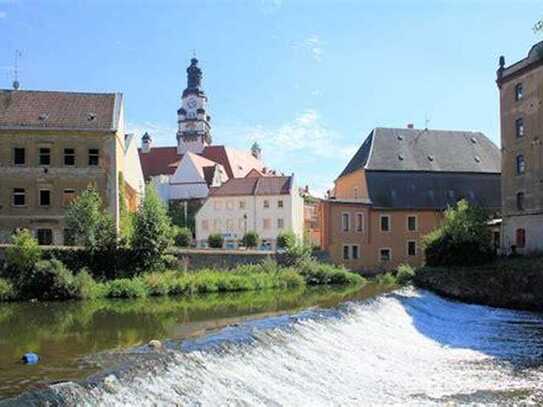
<point x="192" y="103"/>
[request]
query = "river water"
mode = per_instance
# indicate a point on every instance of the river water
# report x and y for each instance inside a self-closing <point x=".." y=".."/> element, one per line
<point x="406" y="347"/>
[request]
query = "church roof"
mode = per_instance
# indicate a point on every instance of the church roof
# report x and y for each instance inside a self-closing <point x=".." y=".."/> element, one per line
<point x="395" y="149"/>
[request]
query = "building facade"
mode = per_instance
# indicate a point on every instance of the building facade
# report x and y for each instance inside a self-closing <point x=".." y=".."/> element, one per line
<point x="395" y="189"/>
<point x="521" y="120"/>
<point x="265" y="205"/>
<point x="54" y="144"/>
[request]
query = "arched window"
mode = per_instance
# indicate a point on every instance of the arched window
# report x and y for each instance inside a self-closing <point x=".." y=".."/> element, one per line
<point x="521" y="238"/>
<point x="521" y="164"/>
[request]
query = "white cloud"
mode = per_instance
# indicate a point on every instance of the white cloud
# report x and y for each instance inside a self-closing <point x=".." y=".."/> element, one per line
<point x="311" y="44"/>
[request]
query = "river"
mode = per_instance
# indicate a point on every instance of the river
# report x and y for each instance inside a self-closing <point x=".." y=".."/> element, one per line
<point x="316" y="347"/>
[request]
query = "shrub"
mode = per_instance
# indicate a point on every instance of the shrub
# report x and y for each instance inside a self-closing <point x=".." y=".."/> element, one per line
<point x="7" y="292"/>
<point x="159" y="283"/>
<point x="86" y="287"/>
<point x="22" y="256"/>
<point x="316" y="273"/>
<point x="294" y="255"/>
<point x="286" y="240"/>
<point x="215" y="241"/>
<point x="405" y="274"/>
<point x="126" y="288"/>
<point x="49" y="280"/>
<point x="386" y="279"/>
<point x="182" y="236"/>
<point x="250" y="240"/>
<point x="152" y="232"/>
<point x="463" y="239"/>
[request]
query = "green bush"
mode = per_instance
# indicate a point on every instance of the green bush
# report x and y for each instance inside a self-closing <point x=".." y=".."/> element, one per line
<point x="250" y="239"/>
<point x="405" y="274"/>
<point x="294" y="255"/>
<point x="463" y="239"/>
<point x="215" y="241"/>
<point x="386" y="279"/>
<point x="49" y="280"/>
<point x="317" y="273"/>
<point x="286" y="240"/>
<point x="86" y="287"/>
<point x="126" y="288"/>
<point x="7" y="291"/>
<point x="182" y="236"/>
<point x="21" y="257"/>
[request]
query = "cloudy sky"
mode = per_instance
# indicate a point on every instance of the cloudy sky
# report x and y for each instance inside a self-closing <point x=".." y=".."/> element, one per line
<point x="307" y="79"/>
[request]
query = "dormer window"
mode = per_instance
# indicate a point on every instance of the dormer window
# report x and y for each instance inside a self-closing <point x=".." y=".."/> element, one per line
<point x="91" y="117"/>
<point x="519" y="92"/>
<point x="430" y="158"/>
<point x="43" y="117"/>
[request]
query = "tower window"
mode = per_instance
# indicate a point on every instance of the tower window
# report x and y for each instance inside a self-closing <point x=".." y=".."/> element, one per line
<point x="519" y="124"/>
<point x="69" y="157"/>
<point x="519" y="92"/>
<point x="521" y="164"/>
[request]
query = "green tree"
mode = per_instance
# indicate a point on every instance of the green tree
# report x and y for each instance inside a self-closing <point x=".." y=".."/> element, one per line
<point x="22" y="256"/>
<point x="250" y="239"/>
<point x="286" y="240"/>
<point x="462" y="239"/>
<point x="152" y="231"/>
<point x="88" y="224"/>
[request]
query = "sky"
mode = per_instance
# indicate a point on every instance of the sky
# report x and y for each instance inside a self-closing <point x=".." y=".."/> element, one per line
<point x="306" y="79"/>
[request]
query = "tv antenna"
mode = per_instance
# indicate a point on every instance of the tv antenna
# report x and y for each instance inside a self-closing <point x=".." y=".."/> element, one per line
<point x="16" y="83"/>
<point x="426" y="121"/>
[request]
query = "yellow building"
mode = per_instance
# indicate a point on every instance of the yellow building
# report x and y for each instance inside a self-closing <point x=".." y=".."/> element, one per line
<point x="53" y="145"/>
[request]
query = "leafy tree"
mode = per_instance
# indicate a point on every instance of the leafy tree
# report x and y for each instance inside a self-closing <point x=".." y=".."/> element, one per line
<point x="462" y="239"/>
<point x="88" y="223"/>
<point x="286" y="240"/>
<point x="215" y="241"/>
<point x="152" y="231"/>
<point x="250" y="239"/>
<point x="22" y="256"/>
<point x="182" y="236"/>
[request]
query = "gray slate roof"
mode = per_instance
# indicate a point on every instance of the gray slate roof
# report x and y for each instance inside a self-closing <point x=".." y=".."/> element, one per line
<point x="432" y="190"/>
<point x="395" y="149"/>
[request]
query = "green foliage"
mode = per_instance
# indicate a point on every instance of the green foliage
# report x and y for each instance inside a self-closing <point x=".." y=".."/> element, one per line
<point x="126" y="221"/>
<point x="7" y="291"/>
<point x="182" y="236"/>
<point x="88" y="223"/>
<point x="215" y="241"/>
<point x="286" y="240"/>
<point x="386" y="279"/>
<point x="126" y="288"/>
<point x="250" y="239"/>
<point x="294" y="255"/>
<point x="176" y="212"/>
<point x="317" y="273"/>
<point x="463" y="238"/>
<point x="152" y="232"/>
<point x="48" y="280"/>
<point x="22" y="256"/>
<point x="404" y="274"/>
<point x="85" y="286"/>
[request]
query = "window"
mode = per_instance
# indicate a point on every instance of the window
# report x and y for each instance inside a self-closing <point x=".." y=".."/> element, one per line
<point x="45" y="197"/>
<point x="521" y="238"/>
<point x="205" y="225"/>
<point x="519" y="92"/>
<point x="45" y="237"/>
<point x="94" y="157"/>
<point x="280" y="203"/>
<point x="280" y="223"/>
<point x="359" y="222"/>
<point x="346" y="252"/>
<point x="411" y="248"/>
<point x="266" y="204"/>
<point x="412" y="223"/>
<point x="519" y="123"/>
<point x="355" y="254"/>
<point x="266" y="223"/>
<point x="385" y="223"/>
<point x="69" y="157"/>
<point x="19" y="197"/>
<point x="19" y="156"/>
<point x="45" y="156"/>
<point x="345" y="222"/>
<point x="68" y="196"/>
<point x="384" y="255"/>
<point x="242" y="204"/>
<point x="521" y="164"/>
<point x="520" y="201"/>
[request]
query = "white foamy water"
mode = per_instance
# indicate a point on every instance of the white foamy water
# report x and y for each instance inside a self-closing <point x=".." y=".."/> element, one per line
<point x="406" y="348"/>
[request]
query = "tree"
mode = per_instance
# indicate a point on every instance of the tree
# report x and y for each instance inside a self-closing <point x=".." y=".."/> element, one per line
<point x="286" y="240"/>
<point x="462" y="239"/>
<point x="152" y="231"/>
<point x="250" y="239"/>
<point x="22" y="256"/>
<point x="88" y="224"/>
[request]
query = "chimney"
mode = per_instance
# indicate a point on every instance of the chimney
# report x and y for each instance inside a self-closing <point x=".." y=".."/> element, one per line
<point x="410" y="126"/>
<point x="146" y="142"/>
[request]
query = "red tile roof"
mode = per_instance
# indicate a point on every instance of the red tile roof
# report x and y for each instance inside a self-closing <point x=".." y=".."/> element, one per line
<point x="59" y="110"/>
<point x="266" y="185"/>
<point x="157" y="161"/>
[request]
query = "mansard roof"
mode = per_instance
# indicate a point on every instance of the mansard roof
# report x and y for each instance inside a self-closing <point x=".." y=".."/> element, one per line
<point x="397" y="149"/>
<point x="265" y="185"/>
<point x="32" y="109"/>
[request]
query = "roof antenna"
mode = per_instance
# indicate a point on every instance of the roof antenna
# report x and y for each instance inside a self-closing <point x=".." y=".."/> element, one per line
<point x="426" y="121"/>
<point x="16" y="83"/>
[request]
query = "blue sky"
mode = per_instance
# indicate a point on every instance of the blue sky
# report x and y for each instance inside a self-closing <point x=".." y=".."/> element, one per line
<point x="307" y="79"/>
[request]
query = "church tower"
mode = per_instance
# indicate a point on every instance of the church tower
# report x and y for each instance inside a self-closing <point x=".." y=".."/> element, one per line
<point x="194" y="132"/>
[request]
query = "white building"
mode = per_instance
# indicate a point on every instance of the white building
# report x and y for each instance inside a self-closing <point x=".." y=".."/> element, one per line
<point x="266" y="205"/>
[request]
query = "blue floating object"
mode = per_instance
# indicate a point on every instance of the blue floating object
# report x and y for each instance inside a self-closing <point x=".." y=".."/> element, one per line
<point x="30" y="358"/>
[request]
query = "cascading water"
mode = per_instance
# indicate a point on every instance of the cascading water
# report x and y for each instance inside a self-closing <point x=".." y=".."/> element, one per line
<point x="409" y="347"/>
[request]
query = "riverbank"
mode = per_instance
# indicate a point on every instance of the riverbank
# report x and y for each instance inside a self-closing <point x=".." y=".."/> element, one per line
<point x="515" y="283"/>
